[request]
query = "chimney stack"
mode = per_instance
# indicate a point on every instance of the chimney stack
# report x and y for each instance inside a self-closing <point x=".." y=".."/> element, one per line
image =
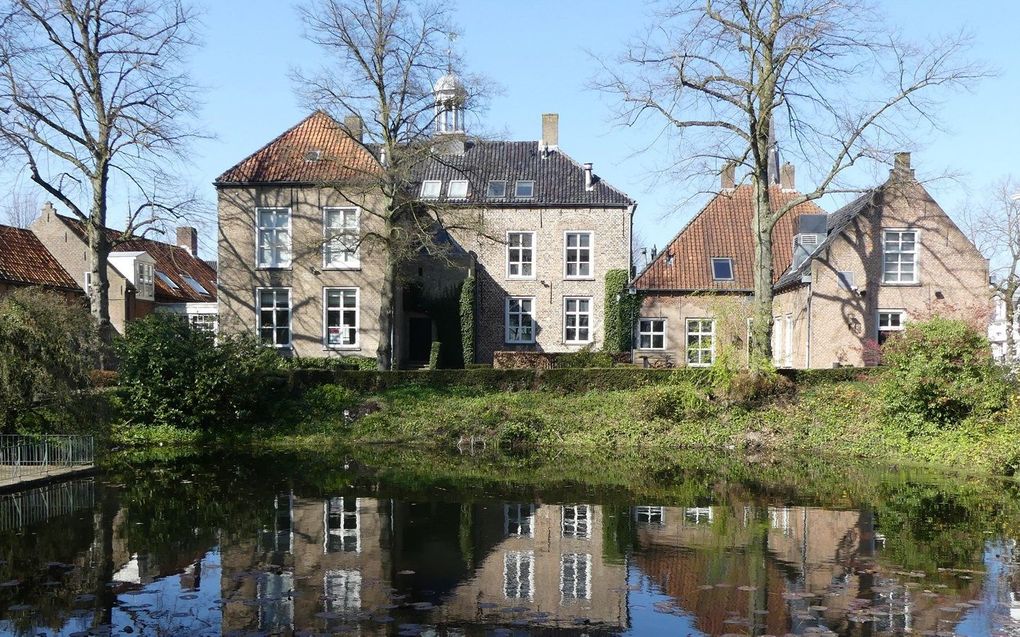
<point x="550" y="131"/>
<point x="901" y="164"/>
<point x="48" y="211"/>
<point x="187" y="238"/>
<point x="355" y="127"/>
<point x="589" y="180"/>
<point x="787" y="177"/>
<point x="728" y="177"/>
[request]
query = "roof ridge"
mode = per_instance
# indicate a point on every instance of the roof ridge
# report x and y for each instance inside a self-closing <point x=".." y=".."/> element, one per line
<point x="580" y="166"/>
<point x="274" y="140"/>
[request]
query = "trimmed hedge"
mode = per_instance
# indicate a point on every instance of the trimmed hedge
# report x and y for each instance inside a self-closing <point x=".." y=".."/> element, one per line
<point x="549" y="360"/>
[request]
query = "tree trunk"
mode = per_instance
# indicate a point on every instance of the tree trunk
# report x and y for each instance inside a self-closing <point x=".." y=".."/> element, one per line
<point x="384" y="357"/>
<point x="1010" y="316"/>
<point x="761" y="322"/>
<point x="99" y="255"/>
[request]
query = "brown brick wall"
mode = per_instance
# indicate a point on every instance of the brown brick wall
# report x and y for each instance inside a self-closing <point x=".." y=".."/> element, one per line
<point x="730" y="312"/>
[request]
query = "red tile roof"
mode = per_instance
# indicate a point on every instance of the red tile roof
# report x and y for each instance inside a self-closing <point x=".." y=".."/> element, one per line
<point x="285" y="159"/>
<point x="171" y="260"/>
<point x="25" y="260"/>
<point x="723" y="229"/>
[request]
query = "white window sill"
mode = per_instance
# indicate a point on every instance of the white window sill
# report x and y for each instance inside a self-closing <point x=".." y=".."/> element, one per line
<point x="649" y="349"/>
<point x="578" y="278"/>
<point x="912" y="284"/>
<point x="702" y="365"/>
<point x="341" y="348"/>
<point x="273" y="267"/>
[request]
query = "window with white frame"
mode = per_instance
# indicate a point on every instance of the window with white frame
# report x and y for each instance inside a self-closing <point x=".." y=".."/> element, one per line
<point x="524" y="189"/>
<point x="695" y="516"/>
<point x="273" y="314"/>
<point x="652" y="333"/>
<point x="520" y="255"/>
<point x="520" y="319"/>
<point x="779" y="518"/>
<point x="496" y="189"/>
<point x="273" y="248"/>
<point x="575" y="576"/>
<point x="577" y="255"/>
<point x="430" y="188"/>
<point x="577" y="320"/>
<point x="280" y="538"/>
<point x="650" y="515"/>
<point x="899" y="256"/>
<point x="576" y="521"/>
<point x="700" y="342"/>
<point x="890" y="322"/>
<point x="144" y="279"/>
<point x="342" y="522"/>
<point x="341" y="320"/>
<point x="88" y="283"/>
<point x="203" y="322"/>
<point x="342" y="232"/>
<point x="722" y="268"/>
<point x="342" y="591"/>
<point x="519" y="520"/>
<point x="457" y="189"/>
<point x="519" y="574"/>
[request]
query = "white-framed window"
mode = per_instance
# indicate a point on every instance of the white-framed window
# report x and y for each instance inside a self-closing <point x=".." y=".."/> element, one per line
<point x="576" y="521"/>
<point x="890" y="322"/>
<point x="430" y="188"/>
<point x="457" y="189"/>
<point x="650" y="515"/>
<point x="280" y="538"/>
<point x="899" y="256"/>
<point x="700" y="342"/>
<point x="652" y="333"/>
<point x="342" y="523"/>
<point x="519" y="520"/>
<point x="144" y="279"/>
<point x="722" y="269"/>
<point x="341" y="229"/>
<point x="203" y="322"/>
<point x="340" y="317"/>
<point x="519" y="575"/>
<point x="696" y="516"/>
<point x="273" y="249"/>
<point x="524" y="189"/>
<point x="577" y="255"/>
<point x="779" y="518"/>
<point x="496" y="189"/>
<point x="341" y="591"/>
<point x="520" y="255"/>
<point x="520" y="319"/>
<point x="575" y="576"/>
<point x="577" y="319"/>
<point x="272" y="313"/>
<point x="87" y="281"/>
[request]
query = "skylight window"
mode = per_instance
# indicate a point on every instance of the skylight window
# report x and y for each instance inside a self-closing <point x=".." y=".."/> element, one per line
<point x="430" y="188"/>
<point x="496" y="189"/>
<point x="722" y="269"/>
<point x="457" y="189"/>
<point x="524" y="190"/>
<point x="167" y="280"/>
<point x="194" y="284"/>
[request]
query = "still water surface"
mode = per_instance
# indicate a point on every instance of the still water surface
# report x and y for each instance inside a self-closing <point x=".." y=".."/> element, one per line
<point x="259" y="545"/>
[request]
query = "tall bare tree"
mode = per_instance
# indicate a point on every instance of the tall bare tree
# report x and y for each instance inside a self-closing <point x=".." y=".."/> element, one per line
<point x="994" y="227"/>
<point x="94" y="94"/>
<point x="21" y="207"/>
<point x="831" y="75"/>
<point x="385" y="56"/>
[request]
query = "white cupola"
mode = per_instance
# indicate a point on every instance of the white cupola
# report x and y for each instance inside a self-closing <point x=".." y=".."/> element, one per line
<point x="450" y="97"/>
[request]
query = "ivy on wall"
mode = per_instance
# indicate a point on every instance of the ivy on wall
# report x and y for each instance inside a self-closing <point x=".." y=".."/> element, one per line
<point x="467" y="319"/>
<point x="621" y="312"/>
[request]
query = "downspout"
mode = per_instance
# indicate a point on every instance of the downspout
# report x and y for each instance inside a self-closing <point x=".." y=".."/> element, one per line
<point x="810" y="293"/>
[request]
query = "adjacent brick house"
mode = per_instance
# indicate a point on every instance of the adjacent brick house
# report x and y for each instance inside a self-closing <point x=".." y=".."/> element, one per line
<point x="25" y="262"/>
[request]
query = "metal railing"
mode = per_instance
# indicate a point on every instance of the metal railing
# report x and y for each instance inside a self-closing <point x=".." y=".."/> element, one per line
<point x="27" y="456"/>
<point x="42" y="504"/>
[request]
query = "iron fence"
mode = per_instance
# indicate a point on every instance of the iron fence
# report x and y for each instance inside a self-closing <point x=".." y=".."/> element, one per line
<point x="27" y="456"/>
<point x="42" y="504"/>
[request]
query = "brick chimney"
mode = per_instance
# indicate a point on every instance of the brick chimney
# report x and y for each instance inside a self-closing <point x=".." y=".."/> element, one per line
<point x="901" y="164"/>
<point x="728" y="177"/>
<point x="787" y="177"/>
<point x="187" y="238"/>
<point x="550" y="130"/>
<point x="354" y="126"/>
<point x="48" y="211"/>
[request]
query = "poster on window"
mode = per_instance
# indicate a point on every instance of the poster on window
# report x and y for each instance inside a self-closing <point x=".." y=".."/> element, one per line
<point x="336" y="336"/>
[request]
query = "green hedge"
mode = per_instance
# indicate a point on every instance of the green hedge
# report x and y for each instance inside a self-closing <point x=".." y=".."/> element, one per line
<point x="621" y="310"/>
<point x="808" y="377"/>
<point x="467" y="319"/>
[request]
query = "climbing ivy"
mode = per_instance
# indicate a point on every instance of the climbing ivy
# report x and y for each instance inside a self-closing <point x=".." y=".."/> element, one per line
<point x="621" y="310"/>
<point x="467" y="319"/>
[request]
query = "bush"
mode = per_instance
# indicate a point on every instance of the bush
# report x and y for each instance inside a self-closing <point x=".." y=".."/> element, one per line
<point x="434" y="355"/>
<point x="48" y="347"/>
<point x="940" y="372"/>
<point x="332" y="363"/>
<point x="329" y="403"/>
<point x="586" y="357"/>
<point x="173" y="374"/>
<point x="680" y="400"/>
<point x="521" y="429"/>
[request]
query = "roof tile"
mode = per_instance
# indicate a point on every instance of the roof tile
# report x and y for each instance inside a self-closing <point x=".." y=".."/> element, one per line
<point x="25" y="260"/>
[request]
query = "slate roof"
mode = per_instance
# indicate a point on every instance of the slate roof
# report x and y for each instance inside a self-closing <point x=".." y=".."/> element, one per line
<point x="723" y="229"/>
<point x="285" y="160"/>
<point x="171" y="260"/>
<point x="25" y="260"/>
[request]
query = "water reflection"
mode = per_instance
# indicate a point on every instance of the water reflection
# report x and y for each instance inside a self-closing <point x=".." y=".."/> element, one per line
<point x="212" y="554"/>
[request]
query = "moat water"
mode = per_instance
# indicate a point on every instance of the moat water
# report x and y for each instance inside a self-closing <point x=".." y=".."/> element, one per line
<point x="412" y="544"/>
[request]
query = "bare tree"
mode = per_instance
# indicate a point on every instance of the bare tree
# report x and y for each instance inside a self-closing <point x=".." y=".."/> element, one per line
<point x="386" y="56"/>
<point x="994" y="228"/>
<point x="21" y="207"/>
<point x="94" y="93"/>
<point x="722" y="76"/>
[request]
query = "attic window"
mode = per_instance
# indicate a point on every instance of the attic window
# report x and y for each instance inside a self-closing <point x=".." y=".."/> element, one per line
<point x="496" y="189"/>
<point x="194" y="284"/>
<point x="524" y="190"/>
<point x="457" y="189"/>
<point x="313" y="155"/>
<point x="430" y="188"/>
<point x="167" y="280"/>
<point x="722" y="268"/>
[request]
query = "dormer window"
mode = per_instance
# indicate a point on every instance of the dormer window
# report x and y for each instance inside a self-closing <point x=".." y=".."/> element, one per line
<point x="457" y="189"/>
<point x="430" y="188"/>
<point x="496" y="189"/>
<point x="722" y="269"/>
<point x="524" y="190"/>
<point x="144" y="280"/>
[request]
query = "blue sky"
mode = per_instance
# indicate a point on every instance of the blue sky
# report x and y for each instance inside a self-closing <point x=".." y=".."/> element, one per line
<point x="537" y="51"/>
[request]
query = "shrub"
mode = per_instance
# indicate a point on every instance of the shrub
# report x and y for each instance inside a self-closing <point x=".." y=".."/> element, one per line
<point x="329" y="403"/>
<point x="521" y="429"/>
<point x="585" y="357"/>
<point x="940" y="372"/>
<point x="48" y="348"/>
<point x="434" y="355"/>
<point x="680" y="400"/>
<point x="332" y="363"/>
<point x="173" y="374"/>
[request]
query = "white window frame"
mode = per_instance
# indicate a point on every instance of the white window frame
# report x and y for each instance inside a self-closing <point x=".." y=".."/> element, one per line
<point x="350" y="599"/>
<point x="88" y="282"/>
<point x="577" y="314"/>
<point x="886" y="273"/>
<point x="573" y="525"/>
<point x="145" y="275"/>
<point x="204" y="322"/>
<point x="290" y="316"/>
<point x="651" y="515"/>
<point x="575" y="593"/>
<point x="517" y="188"/>
<point x="488" y="185"/>
<point x="325" y="317"/>
<point x="512" y="563"/>
<point x="729" y="260"/>
<point x="506" y="320"/>
<point x="521" y="262"/>
<point x="344" y="531"/>
<point x="336" y="240"/>
<point x="428" y="185"/>
<point x="651" y="333"/>
<point x="878" y="321"/>
<point x="519" y="515"/>
<point x="696" y="516"/>
<point x="687" y="342"/>
<point x="283" y="264"/>
<point x="449" y="189"/>
<point x="591" y="255"/>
